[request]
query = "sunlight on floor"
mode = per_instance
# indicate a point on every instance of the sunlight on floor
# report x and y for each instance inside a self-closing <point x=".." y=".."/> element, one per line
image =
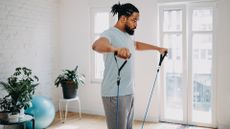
<point x="67" y="127"/>
<point x="98" y="122"/>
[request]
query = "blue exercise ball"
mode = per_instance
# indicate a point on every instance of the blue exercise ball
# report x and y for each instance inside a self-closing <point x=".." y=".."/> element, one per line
<point x="43" y="111"/>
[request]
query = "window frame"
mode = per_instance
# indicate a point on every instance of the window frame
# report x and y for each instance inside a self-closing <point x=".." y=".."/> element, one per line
<point x="93" y="11"/>
<point x="186" y="38"/>
<point x="161" y="8"/>
<point x="191" y="7"/>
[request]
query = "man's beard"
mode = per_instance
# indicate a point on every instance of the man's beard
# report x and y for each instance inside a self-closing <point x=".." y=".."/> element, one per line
<point x="129" y="30"/>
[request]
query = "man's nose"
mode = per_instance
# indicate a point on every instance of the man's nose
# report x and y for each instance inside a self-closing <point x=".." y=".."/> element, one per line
<point x="135" y="26"/>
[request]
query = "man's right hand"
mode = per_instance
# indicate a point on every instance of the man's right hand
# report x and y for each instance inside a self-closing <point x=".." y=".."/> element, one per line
<point x="123" y="53"/>
<point x="163" y="50"/>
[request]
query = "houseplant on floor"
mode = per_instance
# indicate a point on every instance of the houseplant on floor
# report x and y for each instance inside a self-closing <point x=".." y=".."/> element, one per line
<point x="19" y="87"/>
<point x="70" y="80"/>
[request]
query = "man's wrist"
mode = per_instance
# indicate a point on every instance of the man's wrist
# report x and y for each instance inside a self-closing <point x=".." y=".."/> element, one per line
<point x="114" y="49"/>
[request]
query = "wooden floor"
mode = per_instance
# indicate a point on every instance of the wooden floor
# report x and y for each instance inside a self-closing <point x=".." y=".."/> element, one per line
<point x="98" y="122"/>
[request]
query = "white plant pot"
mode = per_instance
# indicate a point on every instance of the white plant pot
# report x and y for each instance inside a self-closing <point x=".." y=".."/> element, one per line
<point x="13" y="117"/>
<point x="22" y="113"/>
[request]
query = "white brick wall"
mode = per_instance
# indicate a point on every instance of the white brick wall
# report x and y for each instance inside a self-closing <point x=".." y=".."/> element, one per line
<point x="29" y="37"/>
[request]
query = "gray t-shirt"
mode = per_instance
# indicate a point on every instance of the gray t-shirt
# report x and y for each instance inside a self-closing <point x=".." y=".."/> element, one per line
<point x="109" y="84"/>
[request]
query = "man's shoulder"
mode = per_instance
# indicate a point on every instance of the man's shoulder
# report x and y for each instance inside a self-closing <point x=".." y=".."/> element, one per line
<point x="110" y="30"/>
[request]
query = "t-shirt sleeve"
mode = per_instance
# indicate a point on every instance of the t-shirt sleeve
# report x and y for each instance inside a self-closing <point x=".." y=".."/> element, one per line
<point x="106" y="35"/>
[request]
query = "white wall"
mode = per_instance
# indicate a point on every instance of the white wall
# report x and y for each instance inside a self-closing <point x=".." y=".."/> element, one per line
<point x="223" y="63"/>
<point x="75" y="48"/>
<point x="28" y="37"/>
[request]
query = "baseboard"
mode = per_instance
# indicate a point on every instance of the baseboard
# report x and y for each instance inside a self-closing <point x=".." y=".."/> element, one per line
<point x="222" y="126"/>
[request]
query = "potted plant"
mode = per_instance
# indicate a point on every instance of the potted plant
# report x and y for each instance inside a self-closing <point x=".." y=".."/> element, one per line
<point x="4" y="106"/>
<point x="19" y="87"/>
<point x="70" y="80"/>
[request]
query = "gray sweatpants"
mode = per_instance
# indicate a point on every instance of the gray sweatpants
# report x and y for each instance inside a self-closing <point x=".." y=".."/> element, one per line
<point x="125" y="112"/>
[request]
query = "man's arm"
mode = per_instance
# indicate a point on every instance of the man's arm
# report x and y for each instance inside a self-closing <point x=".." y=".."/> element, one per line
<point x="145" y="46"/>
<point x="103" y="45"/>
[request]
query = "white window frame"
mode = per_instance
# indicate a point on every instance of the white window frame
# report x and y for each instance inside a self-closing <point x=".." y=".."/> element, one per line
<point x="93" y="11"/>
<point x="191" y="7"/>
<point x="186" y="38"/>
<point x="183" y="32"/>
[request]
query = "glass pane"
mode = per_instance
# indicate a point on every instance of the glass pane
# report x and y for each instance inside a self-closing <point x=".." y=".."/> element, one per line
<point x="202" y="50"/>
<point x="202" y="78"/>
<point x="172" y="20"/>
<point x="101" y="22"/>
<point x="202" y="20"/>
<point x="99" y="65"/>
<point x="173" y="93"/>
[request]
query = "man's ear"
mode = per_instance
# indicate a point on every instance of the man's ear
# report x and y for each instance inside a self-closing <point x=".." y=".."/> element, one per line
<point x="123" y="19"/>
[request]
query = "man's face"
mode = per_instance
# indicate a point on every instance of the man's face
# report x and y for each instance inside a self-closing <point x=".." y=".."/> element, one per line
<point x="131" y="23"/>
<point x="129" y="30"/>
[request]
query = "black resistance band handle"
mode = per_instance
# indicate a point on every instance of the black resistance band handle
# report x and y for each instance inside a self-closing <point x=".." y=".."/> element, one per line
<point x="119" y="69"/>
<point x="115" y="54"/>
<point x="162" y="56"/>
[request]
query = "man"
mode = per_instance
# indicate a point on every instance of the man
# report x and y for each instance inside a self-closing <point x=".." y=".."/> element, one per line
<point x="117" y="39"/>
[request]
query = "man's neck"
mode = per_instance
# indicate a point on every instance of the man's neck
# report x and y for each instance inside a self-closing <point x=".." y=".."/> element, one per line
<point x="119" y="26"/>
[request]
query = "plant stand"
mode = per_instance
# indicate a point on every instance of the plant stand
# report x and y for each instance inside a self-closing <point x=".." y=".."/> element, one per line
<point x="26" y="118"/>
<point x="66" y="102"/>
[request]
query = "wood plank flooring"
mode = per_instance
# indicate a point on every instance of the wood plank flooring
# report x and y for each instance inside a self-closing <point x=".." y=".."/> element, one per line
<point x="98" y="122"/>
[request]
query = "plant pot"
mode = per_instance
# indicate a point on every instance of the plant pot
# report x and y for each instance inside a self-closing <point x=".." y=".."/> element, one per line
<point x="69" y="90"/>
<point x="13" y="117"/>
<point x="4" y="115"/>
<point x="22" y="113"/>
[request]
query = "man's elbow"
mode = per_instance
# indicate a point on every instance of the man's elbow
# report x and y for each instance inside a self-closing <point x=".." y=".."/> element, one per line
<point x="94" y="46"/>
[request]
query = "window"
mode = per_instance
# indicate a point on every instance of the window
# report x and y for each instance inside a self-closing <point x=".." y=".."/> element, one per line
<point x="100" y="20"/>
<point x="187" y="29"/>
<point x="172" y="37"/>
<point x="201" y="33"/>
